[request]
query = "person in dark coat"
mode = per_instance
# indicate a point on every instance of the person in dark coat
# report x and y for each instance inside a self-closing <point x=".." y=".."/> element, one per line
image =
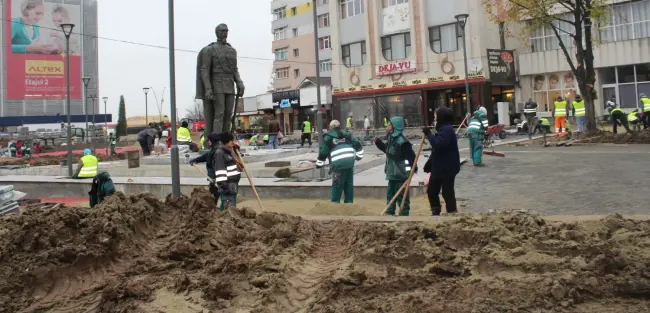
<point x="444" y="162"/>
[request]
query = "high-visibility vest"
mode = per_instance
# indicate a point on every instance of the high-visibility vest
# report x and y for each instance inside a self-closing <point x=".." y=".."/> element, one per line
<point x="560" y="108"/>
<point x="307" y="128"/>
<point x="266" y="137"/>
<point x="617" y="110"/>
<point x="545" y="122"/>
<point x="183" y="134"/>
<point x="89" y="168"/>
<point x="579" y="107"/>
<point x="385" y="122"/>
<point x="348" y="124"/>
<point x="632" y="117"/>
<point x="202" y="142"/>
<point x="646" y="104"/>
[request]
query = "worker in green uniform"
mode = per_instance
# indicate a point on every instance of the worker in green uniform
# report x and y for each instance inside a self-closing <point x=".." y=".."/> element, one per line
<point x="476" y="132"/>
<point x="12" y="149"/>
<point x="399" y="163"/>
<point x="112" y="142"/>
<point x="342" y="150"/>
<point x="306" y="133"/>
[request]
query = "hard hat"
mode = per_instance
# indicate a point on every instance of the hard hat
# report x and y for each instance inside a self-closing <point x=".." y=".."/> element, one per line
<point x="87" y="151"/>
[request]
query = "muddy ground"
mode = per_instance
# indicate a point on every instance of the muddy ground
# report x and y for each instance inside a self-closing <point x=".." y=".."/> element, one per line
<point x="138" y="254"/>
<point x="37" y="160"/>
<point x="642" y="137"/>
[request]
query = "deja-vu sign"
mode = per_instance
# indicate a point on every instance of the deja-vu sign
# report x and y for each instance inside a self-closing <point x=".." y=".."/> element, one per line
<point x="396" y="68"/>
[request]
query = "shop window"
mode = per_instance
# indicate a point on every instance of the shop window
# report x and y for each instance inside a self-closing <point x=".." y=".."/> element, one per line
<point x="608" y="75"/>
<point x="359" y="108"/>
<point x="408" y="106"/>
<point x="354" y="54"/>
<point x="445" y="38"/>
<point x="547" y="88"/>
<point x="626" y="74"/>
<point x="397" y="46"/>
<point x="627" y="95"/>
<point x="643" y="72"/>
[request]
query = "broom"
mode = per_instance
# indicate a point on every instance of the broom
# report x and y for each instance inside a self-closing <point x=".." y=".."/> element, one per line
<point x="287" y="172"/>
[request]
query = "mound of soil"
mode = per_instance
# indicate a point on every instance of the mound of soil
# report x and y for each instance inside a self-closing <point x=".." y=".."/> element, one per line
<point x="139" y="254"/>
<point x="37" y="160"/>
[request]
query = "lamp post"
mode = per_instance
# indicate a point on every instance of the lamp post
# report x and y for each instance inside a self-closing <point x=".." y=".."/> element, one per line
<point x="93" y="98"/>
<point x="462" y="21"/>
<point x="86" y="80"/>
<point x="106" y="125"/>
<point x="319" y="113"/>
<point x="176" y="177"/>
<point x="146" y="105"/>
<point x="67" y="31"/>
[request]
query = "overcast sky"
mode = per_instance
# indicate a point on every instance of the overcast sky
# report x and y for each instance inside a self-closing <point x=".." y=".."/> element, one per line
<point x="124" y="69"/>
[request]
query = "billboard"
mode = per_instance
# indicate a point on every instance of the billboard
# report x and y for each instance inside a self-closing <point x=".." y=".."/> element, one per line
<point x="501" y="67"/>
<point x="35" y="50"/>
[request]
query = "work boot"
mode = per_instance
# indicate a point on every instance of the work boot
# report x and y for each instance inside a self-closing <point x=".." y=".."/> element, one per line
<point x="435" y="211"/>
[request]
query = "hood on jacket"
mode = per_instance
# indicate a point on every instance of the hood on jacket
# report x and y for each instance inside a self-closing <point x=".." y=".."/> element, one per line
<point x="103" y="176"/>
<point x="398" y="125"/>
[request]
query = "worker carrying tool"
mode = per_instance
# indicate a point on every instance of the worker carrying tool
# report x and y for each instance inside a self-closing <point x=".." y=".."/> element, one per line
<point x="214" y="140"/>
<point x="634" y="120"/>
<point x="306" y="133"/>
<point x="87" y="167"/>
<point x="227" y="173"/>
<point x="184" y="137"/>
<point x="646" y="110"/>
<point x="559" y="115"/>
<point x="619" y="117"/>
<point x="530" y="112"/>
<point x="399" y="163"/>
<point x="579" y="112"/>
<point x="476" y="132"/>
<point x="342" y="150"/>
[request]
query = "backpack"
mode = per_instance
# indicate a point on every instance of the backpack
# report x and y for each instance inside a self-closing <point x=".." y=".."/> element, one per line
<point x="102" y="187"/>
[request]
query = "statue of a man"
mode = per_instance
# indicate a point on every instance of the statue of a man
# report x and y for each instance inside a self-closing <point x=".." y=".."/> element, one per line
<point x="217" y="75"/>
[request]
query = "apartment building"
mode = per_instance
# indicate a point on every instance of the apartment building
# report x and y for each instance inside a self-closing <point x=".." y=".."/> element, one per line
<point x="294" y="66"/>
<point x="405" y="57"/>
<point x="622" y="60"/>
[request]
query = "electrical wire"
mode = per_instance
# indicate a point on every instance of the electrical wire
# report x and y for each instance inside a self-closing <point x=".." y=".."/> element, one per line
<point x="244" y="58"/>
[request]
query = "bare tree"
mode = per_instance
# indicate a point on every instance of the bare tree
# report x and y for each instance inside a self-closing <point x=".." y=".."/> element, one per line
<point x="195" y="111"/>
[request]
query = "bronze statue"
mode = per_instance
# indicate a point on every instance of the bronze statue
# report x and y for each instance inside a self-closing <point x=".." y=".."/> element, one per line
<point x="217" y="75"/>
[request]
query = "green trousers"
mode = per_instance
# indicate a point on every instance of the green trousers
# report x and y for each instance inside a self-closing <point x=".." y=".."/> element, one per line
<point x="393" y="187"/>
<point x="113" y="150"/>
<point x="476" y="142"/>
<point x="229" y="200"/>
<point x="343" y="183"/>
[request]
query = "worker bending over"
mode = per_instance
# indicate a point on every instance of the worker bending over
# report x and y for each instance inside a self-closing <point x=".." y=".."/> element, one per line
<point x="559" y="114"/>
<point x="476" y="131"/>
<point x="619" y="117"/>
<point x="87" y="167"/>
<point x="184" y="137"/>
<point x="634" y="120"/>
<point x="226" y="170"/>
<point x="646" y="110"/>
<point x="399" y="163"/>
<point x="342" y="150"/>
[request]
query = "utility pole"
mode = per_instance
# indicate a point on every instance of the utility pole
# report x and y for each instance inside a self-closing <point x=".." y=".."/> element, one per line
<point x="319" y="113"/>
<point x="176" y="179"/>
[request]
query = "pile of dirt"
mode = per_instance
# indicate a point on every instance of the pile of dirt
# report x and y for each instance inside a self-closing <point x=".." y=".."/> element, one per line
<point x="45" y="160"/>
<point x="138" y="254"/>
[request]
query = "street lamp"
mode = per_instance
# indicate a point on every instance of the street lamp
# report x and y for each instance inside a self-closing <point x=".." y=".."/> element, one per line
<point x="93" y="98"/>
<point x="86" y="80"/>
<point x="146" y="105"/>
<point x="67" y="31"/>
<point x="106" y="125"/>
<point x="462" y="21"/>
<point x="176" y="177"/>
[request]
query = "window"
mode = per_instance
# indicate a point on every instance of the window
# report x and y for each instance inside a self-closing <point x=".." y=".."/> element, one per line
<point x="397" y="46"/>
<point x="387" y="3"/>
<point x="546" y="89"/>
<point x="280" y="33"/>
<point x="295" y="32"/>
<point x="350" y="8"/>
<point x="354" y="54"/>
<point x="324" y="20"/>
<point x="631" y="80"/>
<point x="296" y="52"/>
<point x="296" y="73"/>
<point x="281" y="54"/>
<point x="323" y="2"/>
<point x="445" y="38"/>
<point x="627" y="21"/>
<point x="324" y="43"/>
<point x="544" y="38"/>
<point x="282" y="73"/>
<point x="279" y="13"/>
<point x="293" y="11"/>
<point x="326" y="65"/>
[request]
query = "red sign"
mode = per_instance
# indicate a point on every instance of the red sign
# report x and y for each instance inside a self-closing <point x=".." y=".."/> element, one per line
<point x="396" y="68"/>
<point x="35" y="51"/>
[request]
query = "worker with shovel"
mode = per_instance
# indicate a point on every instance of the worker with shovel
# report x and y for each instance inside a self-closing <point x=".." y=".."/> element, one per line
<point x="226" y="169"/>
<point x="342" y="150"/>
<point x="399" y="163"/>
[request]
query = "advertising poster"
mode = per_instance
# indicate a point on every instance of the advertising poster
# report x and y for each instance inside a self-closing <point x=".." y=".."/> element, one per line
<point x="35" y="51"/>
<point x="501" y="66"/>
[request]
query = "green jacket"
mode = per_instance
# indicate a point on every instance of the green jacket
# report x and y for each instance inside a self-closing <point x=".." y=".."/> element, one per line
<point x="478" y="123"/>
<point x="399" y="152"/>
<point x="341" y="148"/>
